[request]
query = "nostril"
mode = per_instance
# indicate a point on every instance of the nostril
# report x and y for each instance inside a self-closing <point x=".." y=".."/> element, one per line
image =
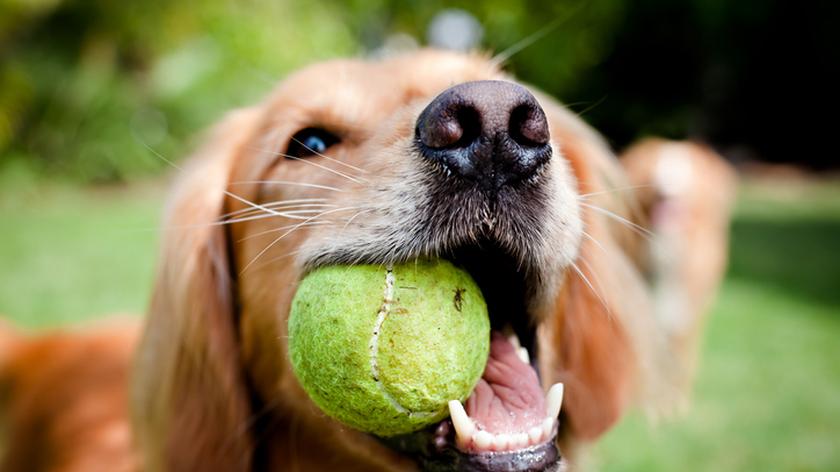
<point x="440" y="132"/>
<point x="528" y="125"/>
<point x="470" y="120"/>
<point x="457" y="126"/>
<point x="491" y="133"/>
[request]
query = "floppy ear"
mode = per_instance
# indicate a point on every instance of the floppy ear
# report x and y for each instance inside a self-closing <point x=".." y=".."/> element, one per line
<point x="189" y="398"/>
<point x="601" y="341"/>
<point x="595" y="355"/>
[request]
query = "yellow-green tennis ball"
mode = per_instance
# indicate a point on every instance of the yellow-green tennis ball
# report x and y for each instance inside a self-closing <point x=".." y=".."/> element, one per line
<point x="384" y="349"/>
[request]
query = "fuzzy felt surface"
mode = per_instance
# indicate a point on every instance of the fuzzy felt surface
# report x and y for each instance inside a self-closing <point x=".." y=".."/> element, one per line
<point x="384" y="349"/>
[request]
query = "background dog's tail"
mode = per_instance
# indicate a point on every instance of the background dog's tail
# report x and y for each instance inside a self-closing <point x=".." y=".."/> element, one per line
<point x="686" y="192"/>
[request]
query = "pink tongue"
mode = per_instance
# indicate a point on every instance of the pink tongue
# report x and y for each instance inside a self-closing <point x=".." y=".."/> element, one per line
<point x="508" y="398"/>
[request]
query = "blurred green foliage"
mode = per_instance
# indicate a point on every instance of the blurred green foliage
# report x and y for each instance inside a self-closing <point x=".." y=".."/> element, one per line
<point x="570" y="36"/>
<point x="87" y="86"/>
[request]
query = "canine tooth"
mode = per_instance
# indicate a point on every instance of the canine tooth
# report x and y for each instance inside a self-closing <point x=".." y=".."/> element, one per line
<point x="553" y="400"/>
<point x="535" y="435"/>
<point x="523" y="354"/>
<point x="501" y="442"/>
<point x="464" y="426"/>
<point x="519" y="440"/>
<point x="547" y="427"/>
<point x="483" y="440"/>
<point x="511" y="336"/>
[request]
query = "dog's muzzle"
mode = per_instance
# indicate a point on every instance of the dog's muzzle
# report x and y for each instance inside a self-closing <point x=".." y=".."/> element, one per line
<point x="488" y="142"/>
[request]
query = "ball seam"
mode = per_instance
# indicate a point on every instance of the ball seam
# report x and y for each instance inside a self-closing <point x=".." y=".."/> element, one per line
<point x="373" y="345"/>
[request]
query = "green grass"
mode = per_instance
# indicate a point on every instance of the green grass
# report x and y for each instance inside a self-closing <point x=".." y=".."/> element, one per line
<point x="68" y="255"/>
<point x="768" y="392"/>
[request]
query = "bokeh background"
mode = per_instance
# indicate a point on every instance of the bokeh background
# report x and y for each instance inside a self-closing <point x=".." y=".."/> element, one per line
<point x="92" y="91"/>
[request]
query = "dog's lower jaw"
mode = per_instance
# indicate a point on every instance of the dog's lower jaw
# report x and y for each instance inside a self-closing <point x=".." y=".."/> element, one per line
<point x="436" y="453"/>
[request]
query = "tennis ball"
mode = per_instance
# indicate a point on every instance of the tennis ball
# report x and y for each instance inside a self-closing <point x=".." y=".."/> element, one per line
<point x="383" y="349"/>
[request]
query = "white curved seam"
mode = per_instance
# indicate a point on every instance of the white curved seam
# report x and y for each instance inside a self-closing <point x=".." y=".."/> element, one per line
<point x="384" y="310"/>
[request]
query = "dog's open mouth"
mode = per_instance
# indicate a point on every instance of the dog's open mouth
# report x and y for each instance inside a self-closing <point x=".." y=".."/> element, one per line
<point x="508" y="422"/>
<point x="507" y="410"/>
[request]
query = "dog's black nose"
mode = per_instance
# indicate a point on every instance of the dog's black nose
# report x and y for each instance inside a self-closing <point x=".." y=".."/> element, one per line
<point x="491" y="132"/>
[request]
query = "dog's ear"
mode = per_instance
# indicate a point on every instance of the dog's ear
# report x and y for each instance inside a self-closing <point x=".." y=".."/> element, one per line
<point x="594" y="353"/>
<point x="596" y="342"/>
<point x="189" y="398"/>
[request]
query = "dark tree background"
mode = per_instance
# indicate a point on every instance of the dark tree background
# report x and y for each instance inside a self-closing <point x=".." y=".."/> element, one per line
<point x="758" y="79"/>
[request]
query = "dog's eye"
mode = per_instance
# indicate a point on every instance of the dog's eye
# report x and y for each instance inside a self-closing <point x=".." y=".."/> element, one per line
<point x="309" y="142"/>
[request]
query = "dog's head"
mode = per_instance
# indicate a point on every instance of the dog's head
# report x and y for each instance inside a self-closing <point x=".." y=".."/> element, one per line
<point x="431" y="154"/>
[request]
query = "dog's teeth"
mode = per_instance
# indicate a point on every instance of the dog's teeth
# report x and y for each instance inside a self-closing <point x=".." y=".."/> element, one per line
<point x="501" y="442"/>
<point x="463" y="444"/>
<point x="487" y="441"/>
<point x="483" y="440"/>
<point x="535" y="435"/>
<point x="464" y="426"/>
<point x="519" y="441"/>
<point x="553" y="400"/>
<point x="547" y="427"/>
<point x="512" y="338"/>
<point x="523" y="354"/>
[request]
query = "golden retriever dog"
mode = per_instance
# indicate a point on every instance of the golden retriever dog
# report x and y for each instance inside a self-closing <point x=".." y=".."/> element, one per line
<point x="596" y="276"/>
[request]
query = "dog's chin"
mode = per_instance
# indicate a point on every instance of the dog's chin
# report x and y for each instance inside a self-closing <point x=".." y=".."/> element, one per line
<point x="435" y="450"/>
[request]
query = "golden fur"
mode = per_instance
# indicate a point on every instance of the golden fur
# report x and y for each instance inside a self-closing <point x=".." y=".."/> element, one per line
<point x="63" y="401"/>
<point x="211" y="386"/>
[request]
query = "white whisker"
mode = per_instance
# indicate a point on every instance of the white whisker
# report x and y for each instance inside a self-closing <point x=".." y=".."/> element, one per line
<point x="597" y="279"/>
<point x="612" y="190"/>
<point x="595" y="241"/>
<point x="281" y="205"/>
<point x="355" y="179"/>
<point x="639" y="229"/>
<point x="292" y="230"/>
<point x="282" y="228"/>
<point x="592" y="106"/>
<point x="292" y="215"/>
<point x="352" y="178"/>
<point x="350" y="220"/>
<point x="260" y="216"/>
<point x="158" y="155"/>
<point x="275" y="259"/>
<point x="357" y="169"/>
<point x="271" y="212"/>
<point x="292" y="212"/>
<point x="286" y="182"/>
<point x="591" y="287"/>
<point x="519" y="46"/>
<point x="250" y="203"/>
